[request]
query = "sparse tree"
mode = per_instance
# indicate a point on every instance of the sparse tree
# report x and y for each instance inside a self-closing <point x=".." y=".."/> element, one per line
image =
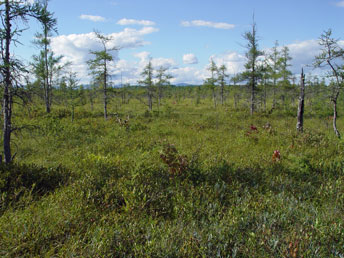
<point x="285" y="73"/>
<point x="221" y="78"/>
<point x="163" y="79"/>
<point x="252" y="73"/>
<point x="148" y="83"/>
<point x="211" y="81"/>
<point x="285" y="64"/>
<point x="274" y="70"/>
<point x="45" y="78"/>
<point x="71" y="82"/>
<point x="99" y="66"/>
<point x="12" y="13"/>
<point x="45" y="63"/>
<point x="330" y="55"/>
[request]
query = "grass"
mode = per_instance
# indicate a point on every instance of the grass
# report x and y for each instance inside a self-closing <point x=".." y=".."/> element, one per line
<point x="186" y="181"/>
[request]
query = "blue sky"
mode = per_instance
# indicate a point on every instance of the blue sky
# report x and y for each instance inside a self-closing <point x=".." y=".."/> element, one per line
<point x="184" y="35"/>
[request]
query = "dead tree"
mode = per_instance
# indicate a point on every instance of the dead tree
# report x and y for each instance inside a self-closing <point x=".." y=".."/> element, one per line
<point x="300" y="111"/>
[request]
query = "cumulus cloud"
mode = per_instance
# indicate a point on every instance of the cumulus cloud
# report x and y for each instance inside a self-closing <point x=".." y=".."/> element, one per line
<point x="125" y="21"/>
<point x="144" y="56"/>
<point x="303" y="54"/>
<point x="76" y="47"/>
<point x="93" y="18"/>
<point x="190" y="59"/>
<point x="234" y="61"/>
<point x="188" y="74"/>
<point x="130" y="71"/>
<point x="156" y="62"/>
<point x="201" y="23"/>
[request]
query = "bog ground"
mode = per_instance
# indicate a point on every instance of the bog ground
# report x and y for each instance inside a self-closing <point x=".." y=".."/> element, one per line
<point x="186" y="181"/>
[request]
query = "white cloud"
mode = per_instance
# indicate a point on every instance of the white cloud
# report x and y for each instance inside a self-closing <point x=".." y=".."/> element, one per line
<point x="189" y="75"/>
<point x="76" y="47"/>
<point x="93" y="18"/>
<point x="125" y="21"/>
<point x="303" y="54"/>
<point x="144" y="56"/>
<point x="233" y="61"/>
<point x="163" y="62"/>
<point x="340" y="4"/>
<point x="201" y="23"/>
<point x="130" y="71"/>
<point x="156" y="62"/>
<point x="190" y="59"/>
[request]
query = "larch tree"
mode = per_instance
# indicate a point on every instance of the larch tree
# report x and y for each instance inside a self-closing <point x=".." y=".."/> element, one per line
<point x="15" y="14"/>
<point x="285" y="73"/>
<point x="100" y="64"/>
<point x="252" y="73"/>
<point x="331" y="56"/>
<point x="46" y="71"/>
<point x="222" y="76"/>
<point x="163" y="79"/>
<point x="73" y="92"/>
<point x="45" y="64"/>
<point x="148" y="83"/>
<point x="212" y="80"/>
<point x="274" y="61"/>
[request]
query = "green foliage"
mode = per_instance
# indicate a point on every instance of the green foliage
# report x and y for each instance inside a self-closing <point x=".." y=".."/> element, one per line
<point x="187" y="181"/>
<point x="17" y="181"/>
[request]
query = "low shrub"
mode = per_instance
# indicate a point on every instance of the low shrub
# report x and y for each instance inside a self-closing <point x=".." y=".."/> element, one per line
<point x="19" y="180"/>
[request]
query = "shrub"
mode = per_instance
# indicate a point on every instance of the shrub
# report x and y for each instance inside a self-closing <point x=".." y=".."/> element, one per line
<point x="18" y="180"/>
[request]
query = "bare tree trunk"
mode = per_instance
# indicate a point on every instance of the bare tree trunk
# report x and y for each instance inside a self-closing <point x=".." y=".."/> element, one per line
<point x="334" y="100"/>
<point x="105" y="91"/>
<point x="7" y="98"/>
<point x="252" y="98"/>
<point x="7" y="123"/>
<point x="300" y="111"/>
<point x="46" y="73"/>
<point x="222" y="95"/>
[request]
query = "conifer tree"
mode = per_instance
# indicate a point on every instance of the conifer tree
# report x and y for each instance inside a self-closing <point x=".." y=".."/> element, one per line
<point x="330" y="55"/>
<point x="148" y="83"/>
<point x="12" y="12"/>
<point x="221" y="78"/>
<point x="163" y="79"/>
<point x="99" y="66"/>
<point x="212" y="80"/>
<point x="45" y="64"/>
<point x="252" y="73"/>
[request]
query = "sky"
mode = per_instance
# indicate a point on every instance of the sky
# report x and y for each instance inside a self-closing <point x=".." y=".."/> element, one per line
<point x="184" y="35"/>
